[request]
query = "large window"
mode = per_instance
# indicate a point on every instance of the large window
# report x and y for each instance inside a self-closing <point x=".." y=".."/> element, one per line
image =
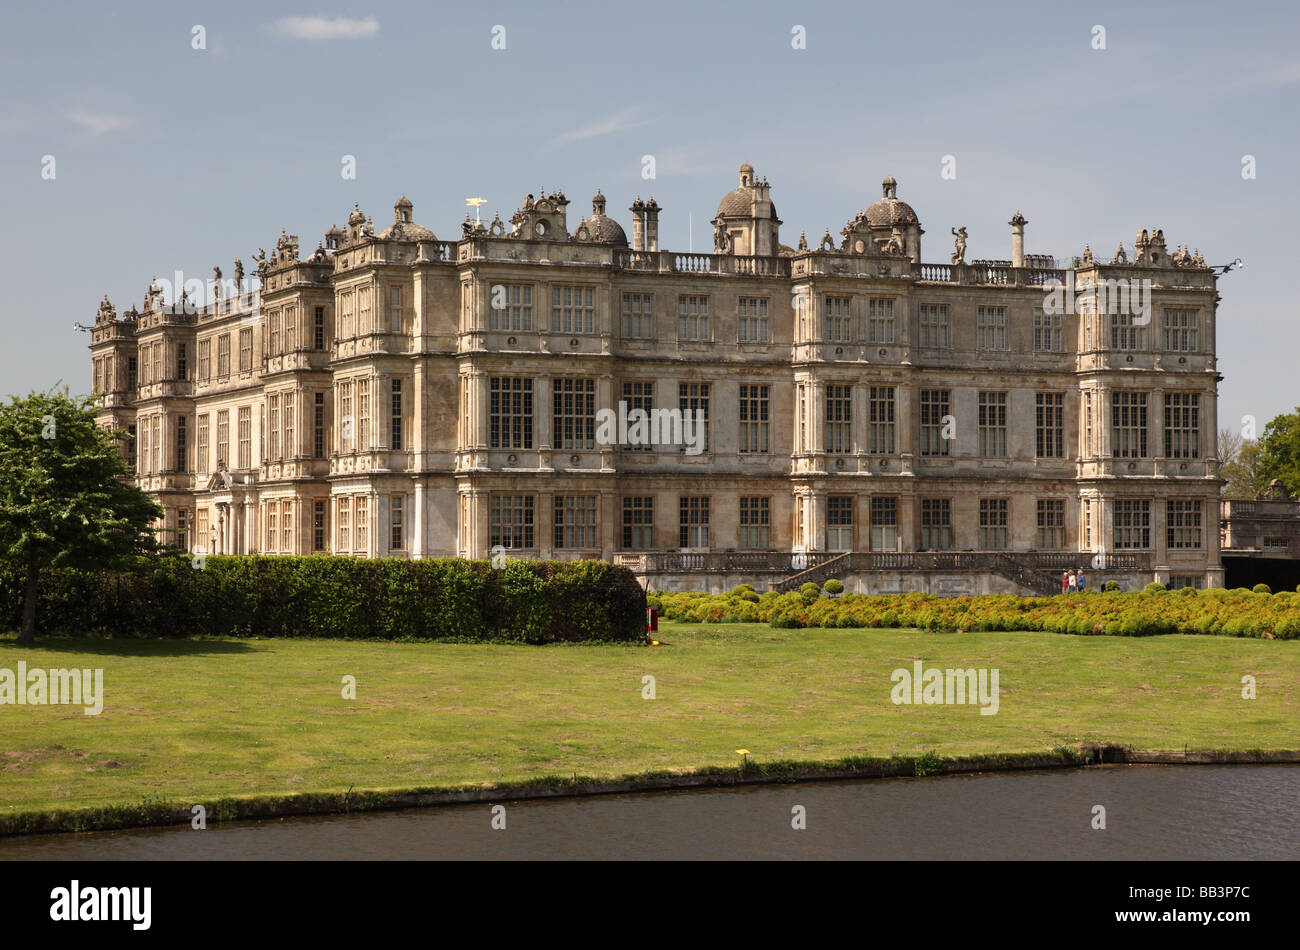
<point x="223" y="437"/>
<point x="838" y="315"/>
<point x="839" y="522"/>
<point x="318" y="335"/>
<point x="638" y="522"/>
<point x="573" y="310"/>
<point x="936" y="524"/>
<point x="753" y="320"/>
<point x="753" y="419"/>
<point x="993" y="424"/>
<point x="363" y="414"/>
<point x="693" y="317"/>
<point x="693" y="522"/>
<point x="574" y="413"/>
<point x="1125" y="334"/>
<point x="395" y="309"/>
<point x="575" y="521"/>
<point x="638" y="320"/>
<point x="395" y="415"/>
<point x="205" y="362"/>
<point x="246" y="350"/>
<point x="223" y="355"/>
<point x="639" y="396"/>
<point x="991" y="328"/>
<point x="289" y="419"/>
<point x="182" y="444"/>
<point x="347" y="425"/>
<point x="884" y="524"/>
<point x="318" y="427"/>
<point x="1051" y="524"/>
<point x="993" y="524"/>
<point x="880" y="420"/>
<point x="245" y="437"/>
<point x="201" y="458"/>
<point x="839" y="418"/>
<point x="1132" y="524"/>
<point x="693" y="398"/>
<point x="319" y="528"/>
<point x="273" y="411"/>
<point x="880" y="320"/>
<point x="510" y="412"/>
<point x="934" y="409"/>
<point x="510" y="521"/>
<point x="1182" y="425"/>
<point x="343" y="519"/>
<point x="1047" y="332"/>
<point x="755" y="523"/>
<point x="1183" y="523"/>
<point x="1049" y="425"/>
<point x="934" y="326"/>
<point x="511" y="307"/>
<point x="1128" y="423"/>
<point x="1180" y="331"/>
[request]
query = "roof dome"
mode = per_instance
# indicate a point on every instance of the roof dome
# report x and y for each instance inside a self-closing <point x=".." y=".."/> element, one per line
<point x="600" y="229"/>
<point x="889" y="211"/>
<point x="403" y="227"/>
<point x="740" y="202"/>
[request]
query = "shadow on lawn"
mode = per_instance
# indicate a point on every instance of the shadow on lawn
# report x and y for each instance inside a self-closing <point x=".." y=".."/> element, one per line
<point x="106" y="646"/>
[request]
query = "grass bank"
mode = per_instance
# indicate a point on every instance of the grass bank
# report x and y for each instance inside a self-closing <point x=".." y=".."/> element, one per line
<point x="210" y="721"/>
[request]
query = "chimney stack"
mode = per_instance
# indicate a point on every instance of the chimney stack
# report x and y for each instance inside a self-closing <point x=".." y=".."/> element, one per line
<point x="652" y="224"/>
<point x="638" y="224"/>
<point x="1018" y="223"/>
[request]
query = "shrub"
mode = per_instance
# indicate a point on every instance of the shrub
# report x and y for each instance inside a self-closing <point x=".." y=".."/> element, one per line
<point x="810" y="592"/>
<point x="338" y="597"/>
<point x="1262" y="589"/>
<point x="833" y="586"/>
<point x="1154" y="587"/>
<point x="1110" y="586"/>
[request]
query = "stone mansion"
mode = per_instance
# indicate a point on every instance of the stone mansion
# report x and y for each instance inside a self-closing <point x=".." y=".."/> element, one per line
<point x="901" y="424"/>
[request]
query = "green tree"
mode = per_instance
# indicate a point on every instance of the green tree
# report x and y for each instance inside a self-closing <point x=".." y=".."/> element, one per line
<point x="64" y="495"/>
<point x="1239" y="465"/>
<point x="1280" y="451"/>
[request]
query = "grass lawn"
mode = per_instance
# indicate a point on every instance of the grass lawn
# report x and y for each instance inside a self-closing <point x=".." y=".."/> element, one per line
<point x="191" y="721"/>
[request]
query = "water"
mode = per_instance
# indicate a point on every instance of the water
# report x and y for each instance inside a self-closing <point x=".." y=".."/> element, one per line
<point x="1152" y="812"/>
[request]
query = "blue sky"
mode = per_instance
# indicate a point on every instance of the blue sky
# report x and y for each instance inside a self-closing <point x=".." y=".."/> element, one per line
<point x="173" y="158"/>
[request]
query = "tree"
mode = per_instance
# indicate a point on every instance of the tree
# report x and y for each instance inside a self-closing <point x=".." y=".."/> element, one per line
<point x="65" y="497"/>
<point x="1280" y="451"/>
<point x="1239" y="465"/>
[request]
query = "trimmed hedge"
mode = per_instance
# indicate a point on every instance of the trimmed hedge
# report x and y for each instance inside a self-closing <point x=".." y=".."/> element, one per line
<point x="1237" y="613"/>
<point x="337" y="597"/>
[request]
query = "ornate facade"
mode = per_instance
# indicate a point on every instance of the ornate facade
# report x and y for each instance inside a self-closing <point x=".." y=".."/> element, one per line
<point x="906" y="425"/>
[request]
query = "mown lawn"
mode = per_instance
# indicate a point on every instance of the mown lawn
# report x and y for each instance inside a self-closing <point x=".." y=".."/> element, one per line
<point x="192" y="721"/>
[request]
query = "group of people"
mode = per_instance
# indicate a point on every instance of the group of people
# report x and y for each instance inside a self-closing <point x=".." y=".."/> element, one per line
<point x="1072" y="582"/>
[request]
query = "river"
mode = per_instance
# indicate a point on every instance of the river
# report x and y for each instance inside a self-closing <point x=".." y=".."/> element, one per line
<point x="1151" y="812"/>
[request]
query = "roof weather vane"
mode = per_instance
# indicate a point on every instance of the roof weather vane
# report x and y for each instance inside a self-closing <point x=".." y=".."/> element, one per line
<point x="476" y="203"/>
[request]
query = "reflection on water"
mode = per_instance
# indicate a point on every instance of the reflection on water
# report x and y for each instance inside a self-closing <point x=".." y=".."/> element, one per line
<point x="1164" y="812"/>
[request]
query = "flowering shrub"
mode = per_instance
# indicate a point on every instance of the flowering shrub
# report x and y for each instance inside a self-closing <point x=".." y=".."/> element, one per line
<point x="1234" y="613"/>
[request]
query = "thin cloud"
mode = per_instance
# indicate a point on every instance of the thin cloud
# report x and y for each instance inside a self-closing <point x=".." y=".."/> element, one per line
<point x="325" y="28"/>
<point x="618" y="122"/>
<point x="98" y="123"/>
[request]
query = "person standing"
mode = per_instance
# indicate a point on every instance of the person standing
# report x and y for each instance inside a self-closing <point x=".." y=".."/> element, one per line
<point x="1072" y="582"/>
<point x="1082" y="584"/>
<point x="1065" y="582"/>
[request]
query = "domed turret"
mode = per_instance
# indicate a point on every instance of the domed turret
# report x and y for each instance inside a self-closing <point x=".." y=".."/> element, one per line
<point x="600" y="229"/>
<point x="404" y="227"/>
<point x="746" y="222"/>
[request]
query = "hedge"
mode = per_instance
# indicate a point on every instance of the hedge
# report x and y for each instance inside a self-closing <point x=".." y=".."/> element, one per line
<point x="1237" y="613"/>
<point x="337" y="597"/>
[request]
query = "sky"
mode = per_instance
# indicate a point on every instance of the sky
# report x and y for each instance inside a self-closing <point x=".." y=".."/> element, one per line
<point x="177" y="148"/>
